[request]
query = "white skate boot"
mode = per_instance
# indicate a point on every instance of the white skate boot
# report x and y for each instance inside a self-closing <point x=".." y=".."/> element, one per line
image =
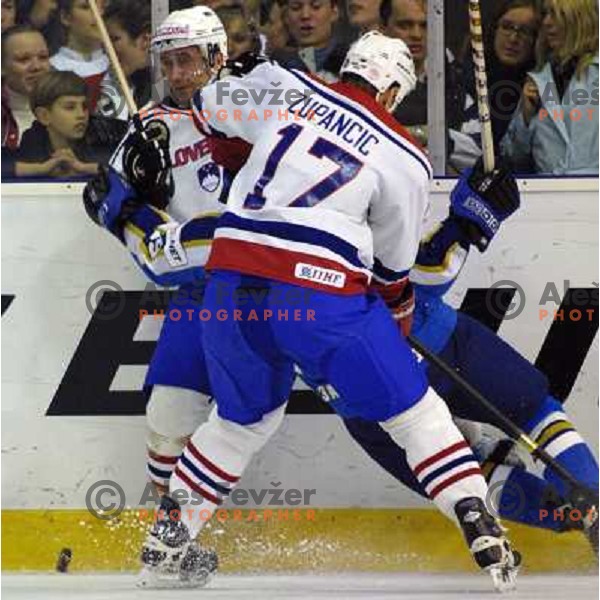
<point x="170" y="558"/>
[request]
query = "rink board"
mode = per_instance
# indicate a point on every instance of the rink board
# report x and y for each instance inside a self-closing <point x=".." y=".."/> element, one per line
<point x="72" y="409"/>
<point x="388" y="540"/>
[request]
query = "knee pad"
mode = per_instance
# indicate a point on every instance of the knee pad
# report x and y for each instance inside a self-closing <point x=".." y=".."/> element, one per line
<point x="172" y="416"/>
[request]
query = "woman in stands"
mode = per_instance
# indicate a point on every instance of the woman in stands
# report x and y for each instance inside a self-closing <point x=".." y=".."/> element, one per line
<point x="555" y="128"/>
<point x="510" y="53"/>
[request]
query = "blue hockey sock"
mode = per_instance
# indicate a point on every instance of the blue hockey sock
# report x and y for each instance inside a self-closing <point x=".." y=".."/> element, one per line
<point x="554" y="432"/>
<point x="519" y="496"/>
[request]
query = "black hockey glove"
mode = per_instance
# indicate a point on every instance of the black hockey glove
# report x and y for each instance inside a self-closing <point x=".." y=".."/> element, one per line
<point x="147" y="162"/>
<point x="481" y="201"/>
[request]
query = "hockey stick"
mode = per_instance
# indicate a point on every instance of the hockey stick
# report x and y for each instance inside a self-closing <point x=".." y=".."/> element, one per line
<point x="481" y="87"/>
<point x="114" y="59"/>
<point x="507" y="425"/>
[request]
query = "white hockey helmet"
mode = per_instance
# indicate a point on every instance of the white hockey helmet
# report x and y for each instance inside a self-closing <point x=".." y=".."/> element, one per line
<point x="382" y="61"/>
<point x="197" y="26"/>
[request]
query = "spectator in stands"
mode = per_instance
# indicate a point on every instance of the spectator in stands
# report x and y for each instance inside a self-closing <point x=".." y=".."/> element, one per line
<point x="407" y="20"/>
<point x="311" y="25"/>
<point x="214" y="4"/>
<point x="82" y="52"/>
<point x="555" y="128"/>
<point x="43" y="15"/>
<point x="129" y="24"/>
<point x="63" y="142"/>
<point x="251" y="8"/>
<point x="242" y="34"/>
<point x="510" y="53"/>
<point x="37" y="13"/>
<point x="25" y="59"/>
<point x="9" y="14"/>
<point x="273" y="30"/>
<point x="364" y="14"/>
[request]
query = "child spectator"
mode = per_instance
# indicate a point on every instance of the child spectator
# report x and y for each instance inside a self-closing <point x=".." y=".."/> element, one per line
<point x="9" y="14"/>
<point x="82" y="52"/>
<point x="555" y="128"/>
<point x="63" y="142"/>
<point x="242" y="35"/>
<point x="25" y="59"/>
<point x="129" y="24"/>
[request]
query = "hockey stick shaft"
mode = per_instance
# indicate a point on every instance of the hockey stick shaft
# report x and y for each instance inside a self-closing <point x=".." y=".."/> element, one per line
<point x="114" y="59"/>
<point x="507" y="425"/>
<point x="481" y="87"/>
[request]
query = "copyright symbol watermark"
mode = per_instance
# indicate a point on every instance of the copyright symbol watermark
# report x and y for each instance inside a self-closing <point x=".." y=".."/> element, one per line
<point x="111" y="102"/>
<point x="496" y="303"/>
<point x="105" y="300"/>
<point x="513" y="499"/>
<point x="105" y="499"/>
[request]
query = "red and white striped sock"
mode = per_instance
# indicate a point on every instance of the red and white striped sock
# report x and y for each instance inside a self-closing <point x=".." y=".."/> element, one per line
<point x="214" y="460"/>
<point x="205" y="483"/>
<point x="159" y="468"/>
<point x="437" y="453"/>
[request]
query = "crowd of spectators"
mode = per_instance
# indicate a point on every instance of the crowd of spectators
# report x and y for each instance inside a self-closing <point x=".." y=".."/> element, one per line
<point x="63" y="110"/>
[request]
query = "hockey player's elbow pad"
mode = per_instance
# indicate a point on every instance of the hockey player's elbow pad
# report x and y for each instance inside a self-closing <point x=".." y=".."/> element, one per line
<point x="108" y="200"/>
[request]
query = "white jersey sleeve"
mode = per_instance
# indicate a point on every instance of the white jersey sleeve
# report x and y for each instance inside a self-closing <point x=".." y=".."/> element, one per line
<point x="397" y="220"/>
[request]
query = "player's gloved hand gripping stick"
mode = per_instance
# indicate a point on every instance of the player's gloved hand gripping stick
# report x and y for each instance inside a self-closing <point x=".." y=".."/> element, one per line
<point x="108" y="198"/>
<point x="481" y="201"/>
<point x="146" y="157"/>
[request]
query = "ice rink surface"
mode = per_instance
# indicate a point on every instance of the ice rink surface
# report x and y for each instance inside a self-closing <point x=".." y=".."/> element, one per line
<point x="312" y="587"/>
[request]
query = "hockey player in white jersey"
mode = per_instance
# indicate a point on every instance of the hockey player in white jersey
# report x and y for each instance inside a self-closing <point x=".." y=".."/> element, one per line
<point x="175" y="171"/>
<point x="331" y="201"/>
<point x="165" y="161"/>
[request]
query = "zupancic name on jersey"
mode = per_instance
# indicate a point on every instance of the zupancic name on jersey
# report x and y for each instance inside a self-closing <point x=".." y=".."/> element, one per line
<point x="336" y="121"/>
<point x="273" y="96"/>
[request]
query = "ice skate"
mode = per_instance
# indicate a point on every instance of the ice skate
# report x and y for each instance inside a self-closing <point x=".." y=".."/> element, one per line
<point x="488" y="544"/>
<point x="590" y="529"/>
<point x="170" y="558"/>
<point x="587" y="505"/>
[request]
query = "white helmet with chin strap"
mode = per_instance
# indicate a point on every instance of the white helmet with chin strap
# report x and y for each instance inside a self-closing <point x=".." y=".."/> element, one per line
<point x="382" y="61"/>
<point x="198" y="26"/>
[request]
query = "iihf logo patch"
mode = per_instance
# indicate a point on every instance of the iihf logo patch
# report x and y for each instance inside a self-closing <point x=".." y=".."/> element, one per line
<point x="209" y="177"/>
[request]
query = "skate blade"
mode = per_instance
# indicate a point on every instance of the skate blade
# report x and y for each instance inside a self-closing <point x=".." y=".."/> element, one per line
<point x="504" y="578"/>
<point x="149" y="579"/>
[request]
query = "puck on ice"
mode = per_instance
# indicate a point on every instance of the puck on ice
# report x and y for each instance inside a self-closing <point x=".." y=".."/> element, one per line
<point x="64" y="558"/>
